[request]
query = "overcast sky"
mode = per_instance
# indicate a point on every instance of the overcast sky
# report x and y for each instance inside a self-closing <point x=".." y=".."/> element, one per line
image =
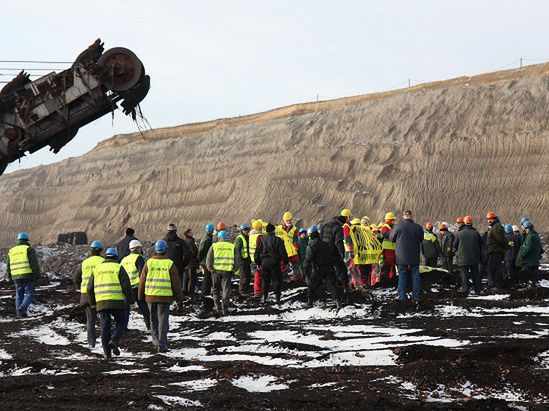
<point x="212" y="59"/>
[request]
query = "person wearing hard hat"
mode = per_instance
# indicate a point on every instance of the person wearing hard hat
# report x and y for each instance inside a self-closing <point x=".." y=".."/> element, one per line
<point x="318" y="267"/>
<point x="460" y="223"/>
<point x="468" y="248"/>
<point x="159" y="286"/>
<point x="496" y="244"/>
<point x="253" y="241"/>
<point x="221" y="261"/>
<point x="242" y="248"/>
<point x="23" y="268"/>
<point x="348" y="247"/>
<point x="123" y="246"/>
<point x="430" y="247"/>
<point x="270" y="255"/>
<point x="446" y="239"/>
<point x="81" y="279"/>
<point x="511" y="253"/>
<point x="303" y="242"/>
<point x="178" y="251"/>
<point x="353" y="270"/>
<point x="205" y="243"/>
<point x="289" y="234"/>
<point x="109" y="291"/>
<point x="388" y="274"/>
<point x="530" y="251"/>
<point x="365" y="221"/>
<point x="190" y="278"/>
<point x="332" y="233"/>
<point x="133" y="263"/>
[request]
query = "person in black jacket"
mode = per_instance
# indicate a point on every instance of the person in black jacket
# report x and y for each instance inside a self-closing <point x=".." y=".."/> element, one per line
<point x="178" y="252"/>
<point x="123" y="246"/>
<point x="332" y="233"/>
<point x="270" y="252"/>
<point x="318" y="266"/>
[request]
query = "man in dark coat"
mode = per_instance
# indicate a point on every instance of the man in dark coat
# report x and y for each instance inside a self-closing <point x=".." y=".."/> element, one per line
<point x="530" y="250"/>
<point x="123" y="246"/>
<point x="205" y="243"/>
<point x="468" y="248"/>
<point x="178" y="252"/>
<point x="430" y="246"/>
<point x="408" y="237"/>
<point x="190" y="278"/>
<point x="332" y="233"/>
<point x="270" y="252"/>
<point x="318" y="267"/>
<point x="496" y="244"/>
<point x="512" y="251"/>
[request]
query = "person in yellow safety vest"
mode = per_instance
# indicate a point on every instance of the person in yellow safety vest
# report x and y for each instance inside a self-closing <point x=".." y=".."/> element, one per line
<point x="253" y="240"/>
<point x="365" y="221"/>
<point x="221" y="262"/>
<point x="290" y="235"/>
<point x="348" y="246"/>
<point x="430" y="246"/>
<point x="81" y="279"/>
<point x="241" y="244"/>
<point x="23" y="268"/>
<point x="159" y="286"/>
<point x="388" y="272"/>
<point x="352" y="269"/>
<point x="109" y="290"/>
<point x="133" y="264"/>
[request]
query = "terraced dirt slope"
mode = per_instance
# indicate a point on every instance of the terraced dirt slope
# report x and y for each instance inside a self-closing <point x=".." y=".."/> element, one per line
<point x="465" y="145"/>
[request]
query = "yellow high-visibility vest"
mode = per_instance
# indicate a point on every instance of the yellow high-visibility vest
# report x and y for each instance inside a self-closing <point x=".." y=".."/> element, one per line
<point x="244" y="251"/>
<point x="87" y="270"/>
<point x="387" y="244"/>
<point x="106" y="285"/>
<point x="288" y="241"/>
<point x="223" y="256"/>
<point x="159" y="282"/>
<point x="128" y="263"/>
<point x="429" y="237"/>
<point x="19" y="262"/>
<point x="253" y="242"/>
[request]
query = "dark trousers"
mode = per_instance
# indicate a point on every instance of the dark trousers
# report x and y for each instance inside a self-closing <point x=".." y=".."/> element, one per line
<point x="495" y="270"/>
<point x="189" y="280"/>
<point x="91" y="319"/>
<point x="431" y="262"/>
<point x="105" y="320"/>
<point x="221" y="285"/>
<point x="448" y="263"/>
<point x="271" y="273"/>
<point x="245" y="277"/>
<point x="341" y="272"/>
<point x="160" y="323"/>
<point x="471" y="272"/>
<point x="510" y="268"/>
<point x="143" y="308"/>
<point x="206" y="281"/>
<point x="315" y="282"/>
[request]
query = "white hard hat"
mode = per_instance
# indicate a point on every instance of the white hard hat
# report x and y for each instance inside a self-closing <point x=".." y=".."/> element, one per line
<point x="135" y="244"/>
<point x="515" y="228"/>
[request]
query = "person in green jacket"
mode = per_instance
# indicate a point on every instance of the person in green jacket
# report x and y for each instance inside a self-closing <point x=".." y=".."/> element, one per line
<point x="446" y="247"/>
<point x="430" y="246"/>
<point x="530" y="250"/>
<point x="205" y="243"/>
<point x="23" y="269"/>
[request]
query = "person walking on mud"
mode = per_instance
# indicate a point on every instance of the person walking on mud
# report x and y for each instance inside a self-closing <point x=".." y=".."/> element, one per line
<point x="242" y="246"/>
<point x="23" y="268"/>
<point x="133" y="264"/>
<point x="81" y="279"/>
<point x="446" y="247"/>
<point x="269" y="255"/>
<point x="468" y="249"/>
<point x="408" y="237"/>
<point x="190" y="279"/>
<point x="179" y="253"/>
<point x="123" y="246"/>
<point x="496" y="244"/>
<point x="205" y="243"/>
<point x="109" y="291"/>
<point x="159" y="285"/>
<point x="221" y="263"/>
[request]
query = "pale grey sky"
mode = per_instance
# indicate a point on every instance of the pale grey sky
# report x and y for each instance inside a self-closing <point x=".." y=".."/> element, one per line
<point x="212" y="59"/>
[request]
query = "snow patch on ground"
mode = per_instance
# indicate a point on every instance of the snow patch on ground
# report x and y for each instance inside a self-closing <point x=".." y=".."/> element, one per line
<point x="178" y="368"/>
<point x="258" y="383"/>
<point x="180" y="401"/>
<point x="196" y="385"/>
<point x="125" y="371"/>
<point x="494" y="297"/>
<point x="4" y="355"/>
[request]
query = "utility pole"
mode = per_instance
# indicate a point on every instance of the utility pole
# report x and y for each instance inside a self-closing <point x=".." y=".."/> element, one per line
<point x="317" y="97"/>
<point x="521" y="62"/>
<point x="409" y="83"/>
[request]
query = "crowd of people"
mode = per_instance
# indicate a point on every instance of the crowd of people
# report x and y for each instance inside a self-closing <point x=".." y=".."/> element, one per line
<point x="342" y="254"/>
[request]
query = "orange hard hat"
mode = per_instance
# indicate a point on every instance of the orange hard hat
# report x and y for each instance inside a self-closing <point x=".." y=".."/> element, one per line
<point x="468" y="219"/>
<point x="428" y="225"/>
<point x="459" y="220"/>
<point x="442" y="227"/>
<point x="220" y="226"/>
<point x="490" y="215"/>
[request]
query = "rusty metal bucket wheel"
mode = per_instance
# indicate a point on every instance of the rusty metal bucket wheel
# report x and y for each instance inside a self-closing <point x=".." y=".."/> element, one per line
<point x="121" y="68"/>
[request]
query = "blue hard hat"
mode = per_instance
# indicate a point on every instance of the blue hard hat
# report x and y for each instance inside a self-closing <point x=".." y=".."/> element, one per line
<point x="111" y="252"/>
<point x="313" y="229"/>
<point x="209" y="228"/>
<point x="524" y="219"/>
<point x="508" y="228"/>
<point x="96" y="244"/>
<point x="244" y="227"/>
<point x="223" y="235"/>
<point x="302" y="230"/>
<point x="22" y="236"/>
<point x="527" y="224"/>
<point x="160" y="246"/>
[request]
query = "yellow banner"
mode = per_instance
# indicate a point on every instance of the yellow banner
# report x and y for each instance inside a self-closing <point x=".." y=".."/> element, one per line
<point x="366" y="247"/>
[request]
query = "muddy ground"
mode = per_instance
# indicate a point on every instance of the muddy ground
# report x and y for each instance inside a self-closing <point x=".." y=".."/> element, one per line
<point x="489" y="352"/>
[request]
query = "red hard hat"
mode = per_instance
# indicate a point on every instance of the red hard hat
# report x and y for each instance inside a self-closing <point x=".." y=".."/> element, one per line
<point x="459" y="220"/>
<point x="220" y="226"/>
<point x="428" y="225"/>
<point x="490" y="215"/>
<point x="442" y="227"/>
<point x="468" y="219"/>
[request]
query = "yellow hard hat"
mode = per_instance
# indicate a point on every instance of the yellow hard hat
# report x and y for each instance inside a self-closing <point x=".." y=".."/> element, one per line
<point x="365" y="218"/>
<point x="373" y="227"/>
<point x="257" y="224"/>
<point x="389" y="216"/>
<point x="355" y="221"/>
<point x="346" y="212"/>
<point x="287" y="216"/>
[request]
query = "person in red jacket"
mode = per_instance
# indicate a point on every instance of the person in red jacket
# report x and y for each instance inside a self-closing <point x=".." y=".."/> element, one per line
<point x="388" y="274"/>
